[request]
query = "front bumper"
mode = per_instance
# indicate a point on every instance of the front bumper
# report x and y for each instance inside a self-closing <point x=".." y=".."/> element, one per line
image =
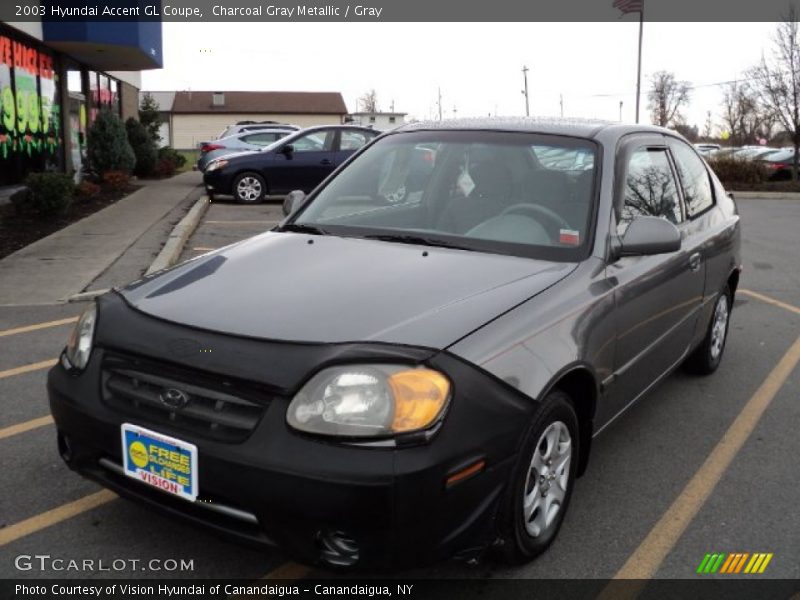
<point x="281" y="488"/>
<point x="217" y="180"/>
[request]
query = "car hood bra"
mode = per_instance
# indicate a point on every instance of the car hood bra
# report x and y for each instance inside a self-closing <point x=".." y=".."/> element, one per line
<point x="308" y="288"/>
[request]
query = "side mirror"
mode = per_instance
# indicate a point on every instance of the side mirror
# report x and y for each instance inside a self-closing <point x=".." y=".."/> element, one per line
<point x="288" y="150"/>
<point x="293" y="201"/>
<point x="650" y="235"/>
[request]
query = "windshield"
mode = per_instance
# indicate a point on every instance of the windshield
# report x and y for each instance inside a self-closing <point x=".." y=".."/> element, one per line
<point x="513" y="193"/>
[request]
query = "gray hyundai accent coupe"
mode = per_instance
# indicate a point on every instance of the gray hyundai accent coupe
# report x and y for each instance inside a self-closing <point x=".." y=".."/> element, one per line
<point x="413" y="364"/>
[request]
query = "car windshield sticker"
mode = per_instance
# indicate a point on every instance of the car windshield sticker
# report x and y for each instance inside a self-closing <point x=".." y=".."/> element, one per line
<point x="569" y="236"/>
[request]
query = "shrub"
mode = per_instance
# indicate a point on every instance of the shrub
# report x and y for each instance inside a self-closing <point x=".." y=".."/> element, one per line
<point x="108" y="147"/>
<point x="144" y="148"/>
<point x="165" y="167"/>
<point x="173" y="155"/>
<point x="87" y="189"/>
<point x="21" y="200"/>
<point x="732" y="170"/>
<point x="116" y="181"/>
<point x="49" y="194"/>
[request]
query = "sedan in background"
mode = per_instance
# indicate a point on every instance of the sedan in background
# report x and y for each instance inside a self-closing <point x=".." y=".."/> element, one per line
<point x="242" y="126"/>
<point x="413" y="364"/>
<point x="297" y="162"/>
<point x="778" y="164"/>
<point x="246" y="141"/>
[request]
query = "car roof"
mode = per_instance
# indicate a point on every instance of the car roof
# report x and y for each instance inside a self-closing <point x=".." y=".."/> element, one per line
<point x="241" y="134"/>
<point x="587" y="128"/>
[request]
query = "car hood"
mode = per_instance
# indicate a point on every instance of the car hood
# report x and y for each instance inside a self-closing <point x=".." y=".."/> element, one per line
<point x="304" y="288"/>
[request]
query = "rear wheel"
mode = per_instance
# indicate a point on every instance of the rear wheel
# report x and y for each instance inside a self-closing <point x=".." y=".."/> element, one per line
<point x="541" y="486"/>
<point x="708" y="355"/>
<point x="249" y="188"/>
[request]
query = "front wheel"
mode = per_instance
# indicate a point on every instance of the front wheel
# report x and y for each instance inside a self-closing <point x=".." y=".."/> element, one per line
<point x="708" y="355"/>
<point x="541" y="486"/>
<point x="249" y="188"/>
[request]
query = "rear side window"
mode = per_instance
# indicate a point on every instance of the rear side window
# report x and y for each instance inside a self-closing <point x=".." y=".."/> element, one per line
<point x="650" y="188"/>
<point x="353" y="140"/>
<point x="694" y="178"/>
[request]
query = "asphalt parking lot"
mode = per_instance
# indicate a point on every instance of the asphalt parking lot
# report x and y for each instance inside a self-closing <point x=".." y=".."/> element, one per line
<point x="701" y="465"/>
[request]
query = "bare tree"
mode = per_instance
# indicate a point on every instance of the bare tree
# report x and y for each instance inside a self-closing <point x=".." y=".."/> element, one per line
<point x="369" y="101"/>
<point x="666" y="98"/>
<point x="708" y="127"/>
<point x="743" y="114"/>
<point x="777" y="80"/>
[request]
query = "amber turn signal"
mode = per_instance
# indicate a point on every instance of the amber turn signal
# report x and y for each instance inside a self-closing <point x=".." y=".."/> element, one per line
<point x="420" y="396"/>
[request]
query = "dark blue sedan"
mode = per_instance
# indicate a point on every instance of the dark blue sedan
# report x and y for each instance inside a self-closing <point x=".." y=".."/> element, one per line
<point x="297" y="162"/>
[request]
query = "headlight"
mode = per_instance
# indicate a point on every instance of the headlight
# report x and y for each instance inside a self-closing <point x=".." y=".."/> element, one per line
<point x="369" y="400"/>
<point x="79" y="345"/>
<point x="216" y="164"/>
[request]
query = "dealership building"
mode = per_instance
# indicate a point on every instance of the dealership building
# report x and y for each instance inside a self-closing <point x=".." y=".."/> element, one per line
<point x="55" y="77"/>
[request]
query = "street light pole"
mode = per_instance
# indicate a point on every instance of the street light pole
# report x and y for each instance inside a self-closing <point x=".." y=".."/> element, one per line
<point x="525" y="91"/>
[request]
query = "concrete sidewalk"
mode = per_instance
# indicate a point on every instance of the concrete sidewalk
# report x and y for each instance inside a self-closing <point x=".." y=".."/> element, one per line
<point x="65" y="263"/>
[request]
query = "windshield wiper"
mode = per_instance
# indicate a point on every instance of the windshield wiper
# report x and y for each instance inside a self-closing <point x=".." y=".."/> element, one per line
<point x="405" y="238"/>
<point x="304" y="228"/>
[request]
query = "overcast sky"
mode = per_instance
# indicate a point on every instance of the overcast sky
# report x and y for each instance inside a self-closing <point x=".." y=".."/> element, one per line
<point x="477" y="65"/>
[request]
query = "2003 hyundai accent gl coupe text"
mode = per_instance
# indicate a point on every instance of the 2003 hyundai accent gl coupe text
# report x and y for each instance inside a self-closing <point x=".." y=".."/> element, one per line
<point x="413" y="364"/>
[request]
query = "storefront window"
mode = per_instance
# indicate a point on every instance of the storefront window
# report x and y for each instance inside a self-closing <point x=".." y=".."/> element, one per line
<point x="94" y="95"/>
<point x="30" y="110"/>
<point x="75" y="81"/>
<point x="115" y="97"/>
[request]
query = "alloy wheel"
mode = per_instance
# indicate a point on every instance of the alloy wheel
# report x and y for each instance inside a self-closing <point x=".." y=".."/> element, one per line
<point x="548" y="477"/>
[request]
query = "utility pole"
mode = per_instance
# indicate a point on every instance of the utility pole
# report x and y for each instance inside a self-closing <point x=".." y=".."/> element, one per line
<point x="525" y="91"/>
<point x="620" y="111"/>
<point x="639" y="62"/>
<point x="439" y="102"/>
<point x="561" y="102"/>
<point x="455" y="112"/>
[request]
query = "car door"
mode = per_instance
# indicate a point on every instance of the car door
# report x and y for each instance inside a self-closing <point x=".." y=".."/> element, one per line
<point x="350" y="140"/>
<point x="657" y="298"/>
<point x="705" y="231"/>
<point x="311" y="159"/>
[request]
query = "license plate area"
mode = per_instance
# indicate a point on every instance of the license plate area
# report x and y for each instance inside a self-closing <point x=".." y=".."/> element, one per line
<point x="160" y="461"/>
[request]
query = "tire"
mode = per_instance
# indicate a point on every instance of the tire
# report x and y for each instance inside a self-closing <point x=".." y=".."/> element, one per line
<point x="249" y="188"/>
<point x="707" y="356"/>
<point x="524" y="526"/>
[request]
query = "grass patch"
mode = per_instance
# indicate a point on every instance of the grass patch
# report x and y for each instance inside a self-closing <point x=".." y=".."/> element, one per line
<point x="191" y="157"/>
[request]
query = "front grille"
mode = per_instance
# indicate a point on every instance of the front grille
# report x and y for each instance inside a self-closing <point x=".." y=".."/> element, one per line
<point x="214" y="407"/>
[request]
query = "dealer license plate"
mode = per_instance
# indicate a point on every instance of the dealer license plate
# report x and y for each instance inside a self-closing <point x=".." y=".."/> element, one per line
<point x="160" y="461"/>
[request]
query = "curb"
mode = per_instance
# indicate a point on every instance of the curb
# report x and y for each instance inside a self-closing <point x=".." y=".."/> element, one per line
<point x="179" y="236"/>
<point x="89" y="295"/>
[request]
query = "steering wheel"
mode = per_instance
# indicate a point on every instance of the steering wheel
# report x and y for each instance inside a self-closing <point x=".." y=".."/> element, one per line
<point x="553" y="218"/>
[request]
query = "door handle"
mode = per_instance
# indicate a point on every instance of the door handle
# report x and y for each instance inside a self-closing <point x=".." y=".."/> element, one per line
<point x="694" y="261"/>
<point x="326" y="162"/>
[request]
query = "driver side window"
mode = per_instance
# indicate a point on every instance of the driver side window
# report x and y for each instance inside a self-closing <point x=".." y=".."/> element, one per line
<point x="650" y="188"/>
<point x="318" y="141"/>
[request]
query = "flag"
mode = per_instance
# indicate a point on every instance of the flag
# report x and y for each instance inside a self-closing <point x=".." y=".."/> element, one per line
<point x="629" y="6"/>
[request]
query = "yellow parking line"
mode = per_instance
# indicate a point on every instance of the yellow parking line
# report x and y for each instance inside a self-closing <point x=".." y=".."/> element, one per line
<point x="289" y="570"/>
<point x="52" y="517"/>
<point x="202" y="249"/>
<point x="45" y="364"/>
<point x="37" y="326"/>
<point x="26" y="426"/>
<point x="773" y="301"/>
<point x="647" y="558"/>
